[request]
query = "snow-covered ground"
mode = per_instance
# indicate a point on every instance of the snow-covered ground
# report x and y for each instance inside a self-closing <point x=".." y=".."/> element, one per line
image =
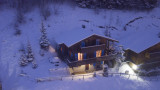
<point x="71" y="18"/>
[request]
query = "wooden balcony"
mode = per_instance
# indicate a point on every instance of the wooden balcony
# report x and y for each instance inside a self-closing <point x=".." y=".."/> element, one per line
<point x="91" y="60"/>
<point x="93" y="48"/>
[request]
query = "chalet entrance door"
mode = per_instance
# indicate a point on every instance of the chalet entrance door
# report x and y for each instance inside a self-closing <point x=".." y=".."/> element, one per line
<point x="87" y="67"/>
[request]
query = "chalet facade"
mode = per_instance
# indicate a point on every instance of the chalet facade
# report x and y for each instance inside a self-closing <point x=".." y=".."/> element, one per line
<point x="88" y="54"/>
<point x="150" y="56"/>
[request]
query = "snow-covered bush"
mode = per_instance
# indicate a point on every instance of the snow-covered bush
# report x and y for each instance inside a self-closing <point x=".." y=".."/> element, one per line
<point x="120" y="54"/>
<point x="105" y="71"/>
<point x="44" y="43"/>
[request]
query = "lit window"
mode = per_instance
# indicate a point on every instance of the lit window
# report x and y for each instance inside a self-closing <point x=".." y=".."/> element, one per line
<point x="80" y="56"/>
<point x="98" y="53"/>
<point x="61" y="49"/>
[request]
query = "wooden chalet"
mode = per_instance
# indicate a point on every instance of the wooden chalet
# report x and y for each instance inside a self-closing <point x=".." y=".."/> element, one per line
<point x="87" y="54"/>
<point x="149" y="57"/>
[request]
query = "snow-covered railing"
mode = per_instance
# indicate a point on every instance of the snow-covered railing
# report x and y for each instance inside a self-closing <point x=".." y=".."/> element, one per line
<point x="91" y="60"/>
<point x="93" y="48"/>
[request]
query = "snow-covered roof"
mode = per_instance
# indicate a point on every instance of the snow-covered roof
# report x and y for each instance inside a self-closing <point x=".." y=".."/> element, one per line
<point x="69" y="38"/>
<point x="139" y="42"/>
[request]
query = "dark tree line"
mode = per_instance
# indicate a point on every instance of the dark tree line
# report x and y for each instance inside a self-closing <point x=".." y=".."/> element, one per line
<point x="23" y="6"/>
<point x="26" y="4"/>
<point x="117" y="3"/>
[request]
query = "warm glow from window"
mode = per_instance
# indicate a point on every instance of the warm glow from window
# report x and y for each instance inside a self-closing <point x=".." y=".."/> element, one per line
<point x="61" y="49"/>
<point x="80" y="56"/>
<point x="98" y="53"/>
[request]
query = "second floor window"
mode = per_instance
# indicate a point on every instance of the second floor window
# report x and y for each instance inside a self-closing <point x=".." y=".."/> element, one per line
<point x="84" y="55"/>
<point x="82" y="44"/>
<point x="76" y="56"/>
<point x="71" y="55"/>
<point x="97" y="41"/>
<point x="62" y="50"/>
<point x="98" y="53"/>
<point x="80" y="56"/>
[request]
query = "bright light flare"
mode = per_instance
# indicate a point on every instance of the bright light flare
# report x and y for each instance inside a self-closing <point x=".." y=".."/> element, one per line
<point x="134" y="67"/>
<point x="125" y="67"/>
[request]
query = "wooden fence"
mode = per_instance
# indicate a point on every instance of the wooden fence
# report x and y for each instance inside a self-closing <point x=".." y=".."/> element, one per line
<point x="93" y="75"/>
<point x="87" y="76"/>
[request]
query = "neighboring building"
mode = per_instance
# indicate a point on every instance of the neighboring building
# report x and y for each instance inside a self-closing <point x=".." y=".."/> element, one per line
<point x="142" y="46"/>
<point x="148" y="56"/>
<point x="88" y="53"/>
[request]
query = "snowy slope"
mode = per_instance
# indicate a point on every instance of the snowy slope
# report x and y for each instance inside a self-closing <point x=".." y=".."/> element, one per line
<point x="68" y="19"/>
<point x="142" y="34"/>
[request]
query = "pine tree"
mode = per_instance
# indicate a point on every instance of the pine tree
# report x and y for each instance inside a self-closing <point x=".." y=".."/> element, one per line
<point x="30" y="56"/>
<point x="44" y="43"/>
<point x="23" y="58"/>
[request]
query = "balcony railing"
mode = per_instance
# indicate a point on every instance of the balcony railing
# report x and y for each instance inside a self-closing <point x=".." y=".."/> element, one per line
<point x="91" y="60"/>
<point x="93" y="48"/>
